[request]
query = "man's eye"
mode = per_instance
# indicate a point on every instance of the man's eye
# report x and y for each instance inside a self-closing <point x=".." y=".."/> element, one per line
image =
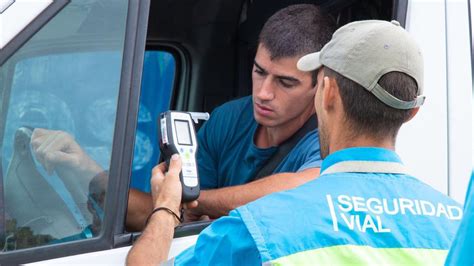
<point x="259" y="72"/>
<point x="286" y="84"/>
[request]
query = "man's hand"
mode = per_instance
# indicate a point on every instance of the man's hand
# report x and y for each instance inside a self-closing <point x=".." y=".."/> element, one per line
<point x="58" y="152"/>
<point x="195" y="214"/>
<point x="154" y="244"/>
<point x="166" y="189"/>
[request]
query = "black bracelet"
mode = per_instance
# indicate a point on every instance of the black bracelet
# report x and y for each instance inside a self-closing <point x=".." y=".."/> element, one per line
<point x="163" y="209"/>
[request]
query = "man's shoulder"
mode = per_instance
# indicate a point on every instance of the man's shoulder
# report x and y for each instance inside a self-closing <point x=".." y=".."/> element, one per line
<point x="233" y="113"/>
<point x="236" y="105"/>
<point x="309" y="142"/>
<point x="305" y="154"/>
<point x="290" y="200"/>
<point x="422" y="188"/>
<point x="228" y="124"/>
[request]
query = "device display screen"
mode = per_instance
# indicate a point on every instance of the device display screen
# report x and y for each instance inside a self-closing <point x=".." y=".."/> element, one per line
<point x="182" y="132"/>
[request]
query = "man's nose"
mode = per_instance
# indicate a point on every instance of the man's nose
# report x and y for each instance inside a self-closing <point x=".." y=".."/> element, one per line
<point x="266" y="92"/>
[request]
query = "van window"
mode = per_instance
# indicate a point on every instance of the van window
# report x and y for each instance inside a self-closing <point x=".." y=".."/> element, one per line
<point x="61" y="87"/>
<point x="157" y="84"/>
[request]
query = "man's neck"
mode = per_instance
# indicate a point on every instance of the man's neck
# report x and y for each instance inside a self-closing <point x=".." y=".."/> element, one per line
<point x="360" y="141"/>
<point x="266" y="137"/>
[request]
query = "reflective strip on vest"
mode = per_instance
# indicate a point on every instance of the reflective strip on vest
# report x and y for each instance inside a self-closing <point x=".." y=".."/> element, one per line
<point x="366" y="167"/>
<point x="363" y="255"/>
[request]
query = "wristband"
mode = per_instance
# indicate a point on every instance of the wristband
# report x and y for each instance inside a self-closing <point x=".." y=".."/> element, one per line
<point x="163" y="209"/>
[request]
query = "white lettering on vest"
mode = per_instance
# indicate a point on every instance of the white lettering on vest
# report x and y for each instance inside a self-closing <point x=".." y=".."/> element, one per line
<point x="359" y="213"/>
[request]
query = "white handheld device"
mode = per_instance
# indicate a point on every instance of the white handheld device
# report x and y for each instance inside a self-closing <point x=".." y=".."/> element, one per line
<point x="178" y="136"/>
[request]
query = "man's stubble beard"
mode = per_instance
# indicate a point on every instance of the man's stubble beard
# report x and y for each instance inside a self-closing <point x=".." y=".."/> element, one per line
<point x="323" y="141"/>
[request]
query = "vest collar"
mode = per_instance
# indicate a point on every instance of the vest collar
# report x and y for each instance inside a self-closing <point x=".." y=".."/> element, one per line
<point x="363" y="160"/>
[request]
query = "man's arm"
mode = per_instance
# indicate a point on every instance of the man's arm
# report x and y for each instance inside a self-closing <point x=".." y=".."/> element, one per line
<point x="140" y="206"/>
<point x="218" y="202"/>
<point x="154" y="244"/>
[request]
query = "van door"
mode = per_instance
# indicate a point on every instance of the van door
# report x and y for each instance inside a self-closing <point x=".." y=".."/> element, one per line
<point x="69" y="91"/>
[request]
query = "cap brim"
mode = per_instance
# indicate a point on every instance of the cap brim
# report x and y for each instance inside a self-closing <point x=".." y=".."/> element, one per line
<point x="309" y="62"/>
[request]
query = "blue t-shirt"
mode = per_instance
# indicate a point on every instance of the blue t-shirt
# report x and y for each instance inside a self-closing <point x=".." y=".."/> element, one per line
<point x="363" y="209"/>
<point x="227" y="155"/>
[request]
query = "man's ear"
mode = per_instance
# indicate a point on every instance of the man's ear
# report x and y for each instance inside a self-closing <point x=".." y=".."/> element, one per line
<point x="413" y="112"/>
<point x="330" y="93"/>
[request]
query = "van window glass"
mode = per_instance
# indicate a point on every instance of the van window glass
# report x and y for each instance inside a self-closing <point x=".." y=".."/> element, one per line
<point x="58" y="106"/>
<point x="157" y="84"/>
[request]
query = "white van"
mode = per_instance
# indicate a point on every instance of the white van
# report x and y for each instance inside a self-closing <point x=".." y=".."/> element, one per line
<point x="102" y="71"/>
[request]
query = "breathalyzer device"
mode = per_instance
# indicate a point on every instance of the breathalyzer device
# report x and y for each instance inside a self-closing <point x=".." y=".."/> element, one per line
<point x="178" y="136"/>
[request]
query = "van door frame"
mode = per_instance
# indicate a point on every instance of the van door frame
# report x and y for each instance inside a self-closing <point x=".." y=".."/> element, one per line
<point x="112" y="234"/>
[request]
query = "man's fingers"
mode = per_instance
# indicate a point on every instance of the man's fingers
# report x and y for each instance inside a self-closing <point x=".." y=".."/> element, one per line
<point x="36" y="138"/>
<point x="41" y="150"/>
<point x="173" y="169"/>
<point x="55" y="159"/>
<point x="175" y="166"/>
<point x="191" y="205"/>
<point x="39" y="132"/>
<point x="60" y="141"/>
<point x="166" y="190"/>
<point x="161" y="168"/>
<point x="158" y="171"/>
<point x="204" y="218"/>
<point x="157" y="177"/>
<point x="189" y="216"/>
<point x="46" y="140"/>
<point x="47" y="149"/>
<point x="38" y="142"/>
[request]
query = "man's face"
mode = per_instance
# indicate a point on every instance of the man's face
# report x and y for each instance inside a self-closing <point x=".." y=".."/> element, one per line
<point x="280" y="91"/>
<point x="322" y="119"/>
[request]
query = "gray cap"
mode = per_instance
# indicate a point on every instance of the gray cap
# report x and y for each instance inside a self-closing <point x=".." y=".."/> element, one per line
<point x="364" y="51"/>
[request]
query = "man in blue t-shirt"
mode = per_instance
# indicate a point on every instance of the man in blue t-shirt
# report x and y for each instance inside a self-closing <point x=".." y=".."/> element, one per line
<point x="241" y="136"/>
<point x="365" y="208"/>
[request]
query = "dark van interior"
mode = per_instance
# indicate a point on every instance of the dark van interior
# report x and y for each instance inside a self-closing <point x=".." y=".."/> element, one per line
<point x="217" y="40"/>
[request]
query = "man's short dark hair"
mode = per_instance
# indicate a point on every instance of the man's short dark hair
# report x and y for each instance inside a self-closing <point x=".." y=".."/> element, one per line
<point x="368" y="115"/>
<point x="297" y="30"/>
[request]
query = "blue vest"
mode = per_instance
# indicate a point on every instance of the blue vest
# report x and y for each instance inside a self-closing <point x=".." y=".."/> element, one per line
<point x="363" y="209"/>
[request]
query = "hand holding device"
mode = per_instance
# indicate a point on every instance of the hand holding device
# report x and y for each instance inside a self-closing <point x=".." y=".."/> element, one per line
<point x="178" y="136"/>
